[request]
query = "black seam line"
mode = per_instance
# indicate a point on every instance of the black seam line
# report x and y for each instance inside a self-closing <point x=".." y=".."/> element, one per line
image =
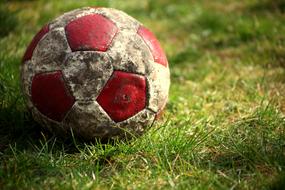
<point x="89" y="51"/>
<point x="66" y="36"/>
<point x="68" y="112"/>
<point x="147" y="94"/>
<point x="45" y="117"/>
<point x="149" y="109"/>
<point x="131" y="72"/>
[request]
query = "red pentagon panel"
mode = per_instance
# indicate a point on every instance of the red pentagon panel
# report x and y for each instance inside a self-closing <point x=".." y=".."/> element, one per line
<point x="90" y="32"/>
<point x="154" y="46"/>
<point x="50" y="95"/>
<point x="29" y="51"/>
<point x="123" y="96"/>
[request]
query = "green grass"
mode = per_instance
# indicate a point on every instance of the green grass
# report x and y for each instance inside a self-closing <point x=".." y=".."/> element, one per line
<point x="224" y="126"/>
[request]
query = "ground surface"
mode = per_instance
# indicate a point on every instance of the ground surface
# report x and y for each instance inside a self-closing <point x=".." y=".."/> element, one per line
<point x="224" y="125"/>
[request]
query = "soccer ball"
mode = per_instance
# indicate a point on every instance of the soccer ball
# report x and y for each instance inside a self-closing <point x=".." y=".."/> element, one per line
<point x="97" y="72"/>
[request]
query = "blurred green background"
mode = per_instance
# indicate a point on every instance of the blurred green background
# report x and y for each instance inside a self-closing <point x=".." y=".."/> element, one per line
<point x="223" y="127"/>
